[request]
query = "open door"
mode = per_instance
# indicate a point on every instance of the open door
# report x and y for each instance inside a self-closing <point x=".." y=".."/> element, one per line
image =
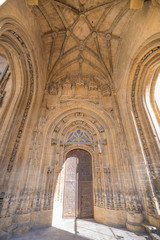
<point x="78" y="187"/>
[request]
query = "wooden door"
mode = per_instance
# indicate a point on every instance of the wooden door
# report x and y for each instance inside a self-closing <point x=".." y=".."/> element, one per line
<point x="85" y="195"/>
<point x="78" y="193"/>
<point x="70" y="187"/>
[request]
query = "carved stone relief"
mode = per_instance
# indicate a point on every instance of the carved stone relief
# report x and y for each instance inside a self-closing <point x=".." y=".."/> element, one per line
<point x="79" y="87"/>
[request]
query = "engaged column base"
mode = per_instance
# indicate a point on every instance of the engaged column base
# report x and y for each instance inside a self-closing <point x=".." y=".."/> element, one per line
<point x="134" y="222"/>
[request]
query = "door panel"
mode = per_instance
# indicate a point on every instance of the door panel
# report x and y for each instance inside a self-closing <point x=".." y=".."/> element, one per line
<point x="85" y="200"/>
<point x="69" y="206"/>
<point x="78" y="193"/>
<point x="85" y="194"/>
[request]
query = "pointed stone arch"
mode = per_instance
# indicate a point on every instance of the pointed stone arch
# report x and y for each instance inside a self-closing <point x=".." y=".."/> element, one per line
<point x="142" y="73"/>
<point x="16" y="115"/>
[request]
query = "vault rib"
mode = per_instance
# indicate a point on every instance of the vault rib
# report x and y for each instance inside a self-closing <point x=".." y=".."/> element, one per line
<point x="43" y="11"/>
<point x="63" y="46"/>
<point x="100" y="56"/>
<point x="75" y="37"/>
<point x="103" y="16"/>
<point x="123" y="11"/>
<point x="65" y="66"/>
<point x="99" y="6"/>
<point x="66" y="5"/>
<point x="50" y="55"/>
<point x="89" y="24"/>
<point x="69" y="51"/>
<point x="110" y="54"/>
<point x="60" y="15"/>
<point x="98" y="69"/>
<point x="74" y="23"/>
<point x="58" y="59"/>
<point x="92" y="53"/>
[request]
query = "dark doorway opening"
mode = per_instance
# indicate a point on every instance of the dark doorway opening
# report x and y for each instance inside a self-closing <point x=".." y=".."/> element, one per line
<point x="78" y="186"/>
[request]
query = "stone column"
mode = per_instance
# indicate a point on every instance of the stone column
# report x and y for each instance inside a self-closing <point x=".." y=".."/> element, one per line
<point x="134" y="221"/>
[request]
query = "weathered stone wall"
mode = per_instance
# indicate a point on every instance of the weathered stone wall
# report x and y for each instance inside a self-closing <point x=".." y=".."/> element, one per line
<point x="79" y="66"/>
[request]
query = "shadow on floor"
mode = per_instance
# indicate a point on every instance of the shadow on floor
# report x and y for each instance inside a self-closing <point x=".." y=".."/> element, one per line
<point x="85" y="230"/>
<point x="50" y="233"/>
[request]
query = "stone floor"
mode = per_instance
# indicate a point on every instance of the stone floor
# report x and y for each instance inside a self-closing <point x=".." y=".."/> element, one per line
<point x="79" y="230"/>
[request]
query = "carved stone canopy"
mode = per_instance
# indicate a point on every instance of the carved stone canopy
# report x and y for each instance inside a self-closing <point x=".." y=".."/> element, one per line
<point x="75" y="82"/>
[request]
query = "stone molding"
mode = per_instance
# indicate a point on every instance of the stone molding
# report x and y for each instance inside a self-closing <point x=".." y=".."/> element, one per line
<point x="140" y="128"/>
<point x="20" y="131"/>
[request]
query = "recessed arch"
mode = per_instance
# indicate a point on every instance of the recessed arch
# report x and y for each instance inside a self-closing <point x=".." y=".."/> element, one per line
<point x="15" y="118"/>
<point x="141" y="76"/>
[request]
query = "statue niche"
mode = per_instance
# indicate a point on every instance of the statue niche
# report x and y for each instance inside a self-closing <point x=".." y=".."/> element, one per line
<point x="52" y="88"/>
<point x="67" y="91"/>
<point x="50" y="96"/>
<point x="93" y="90"/>
<point x="80" y="88"/>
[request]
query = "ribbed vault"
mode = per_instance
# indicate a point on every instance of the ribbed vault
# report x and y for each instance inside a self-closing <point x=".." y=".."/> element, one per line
<point x="81" y="37"/>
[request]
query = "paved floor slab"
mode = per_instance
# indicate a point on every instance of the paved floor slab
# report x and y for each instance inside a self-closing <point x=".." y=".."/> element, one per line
<point x="79" y="230"/>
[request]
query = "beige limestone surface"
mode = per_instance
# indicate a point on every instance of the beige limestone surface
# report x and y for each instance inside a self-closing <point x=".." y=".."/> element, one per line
<point x="87" y="65"/>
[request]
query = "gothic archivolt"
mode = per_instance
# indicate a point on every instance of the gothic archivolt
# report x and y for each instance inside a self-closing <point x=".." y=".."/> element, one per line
<point x="16" y="110"/>
<point x="146" y="66"/>
<point x="28" y="87"/>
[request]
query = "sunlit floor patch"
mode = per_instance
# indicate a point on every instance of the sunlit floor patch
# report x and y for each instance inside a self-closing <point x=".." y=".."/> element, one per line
<point x="79" y="230"/>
